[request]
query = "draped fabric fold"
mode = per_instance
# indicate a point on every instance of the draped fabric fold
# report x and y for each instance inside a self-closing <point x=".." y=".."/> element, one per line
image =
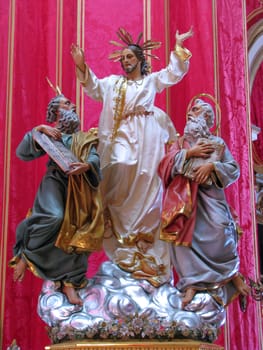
<point x="83" y="226"/>
<point x="179" y="202"/>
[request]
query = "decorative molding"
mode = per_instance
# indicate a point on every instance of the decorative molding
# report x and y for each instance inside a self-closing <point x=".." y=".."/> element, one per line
<point x="7" y="127"/>
<point x="216" y="64"/>
<point x="59" y="43"/>
<point x="81" y="42"/>
<point x="146" y="345"/>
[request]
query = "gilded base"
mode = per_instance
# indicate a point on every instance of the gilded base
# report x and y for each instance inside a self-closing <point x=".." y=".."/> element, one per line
<point x="146" y="345"/>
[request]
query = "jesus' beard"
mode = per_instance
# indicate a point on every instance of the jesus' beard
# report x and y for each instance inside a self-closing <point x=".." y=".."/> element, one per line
<point x="131" y="68"/>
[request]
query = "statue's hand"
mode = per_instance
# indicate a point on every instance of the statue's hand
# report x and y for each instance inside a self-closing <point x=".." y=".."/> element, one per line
<point x="202" y="173"/>
<point x="180" y="38"/>
<point x="49" y="131"/>
<point x="78" y="168"/>
<point x="78" y="56"/>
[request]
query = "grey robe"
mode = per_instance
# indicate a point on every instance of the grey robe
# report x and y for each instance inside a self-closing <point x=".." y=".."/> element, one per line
<point x="212" y="260"/>
<point x="37" y="234"/>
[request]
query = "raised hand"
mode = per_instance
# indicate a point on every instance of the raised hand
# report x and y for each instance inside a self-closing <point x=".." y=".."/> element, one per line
<point x="180" y="38"/>
<point x="78" y="56"/>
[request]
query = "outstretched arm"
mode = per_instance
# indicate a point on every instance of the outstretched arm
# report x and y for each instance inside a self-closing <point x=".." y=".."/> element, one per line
<point x="28" y="149"/>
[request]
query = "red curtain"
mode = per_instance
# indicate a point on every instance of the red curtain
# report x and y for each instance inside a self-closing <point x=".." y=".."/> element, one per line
<point x="35" y="43"/>
<point x="237" y="131"/>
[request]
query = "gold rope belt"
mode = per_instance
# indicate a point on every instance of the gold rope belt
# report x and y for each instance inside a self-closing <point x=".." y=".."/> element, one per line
<point x="138" y="113"/>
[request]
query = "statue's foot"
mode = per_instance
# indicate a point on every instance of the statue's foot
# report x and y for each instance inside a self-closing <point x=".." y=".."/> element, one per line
<point x="189" y="294"/>
<point x="72" y="295"/>
<point x="241" y="285"/>
<point x="19" y="271"/>
<point x="243" y="289"/>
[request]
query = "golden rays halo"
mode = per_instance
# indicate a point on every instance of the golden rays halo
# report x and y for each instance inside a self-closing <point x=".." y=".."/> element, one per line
<point x="127" y="40"/>
<point x="55" y="89"/>
<point x="217" y="109"/>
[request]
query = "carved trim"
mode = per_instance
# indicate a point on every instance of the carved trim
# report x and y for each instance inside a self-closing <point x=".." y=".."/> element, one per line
<point x="146" y="345"/>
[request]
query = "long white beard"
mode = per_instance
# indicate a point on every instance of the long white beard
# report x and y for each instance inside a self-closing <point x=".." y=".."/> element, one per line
<point x="196" y="128"/>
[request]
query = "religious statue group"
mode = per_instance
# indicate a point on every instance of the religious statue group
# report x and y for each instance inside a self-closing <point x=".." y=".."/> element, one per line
<point x="152" y="200"/>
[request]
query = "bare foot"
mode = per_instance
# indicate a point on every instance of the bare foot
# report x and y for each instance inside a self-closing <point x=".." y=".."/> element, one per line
<point x="19" y="271"/>
<point x="243" y="289"/>
<point x="72" y="295"/>
<point x="189" y="294"/>
<point x="241" y="285"/>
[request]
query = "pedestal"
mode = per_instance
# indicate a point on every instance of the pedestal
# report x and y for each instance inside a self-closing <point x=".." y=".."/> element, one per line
<point x="135" y="345"/>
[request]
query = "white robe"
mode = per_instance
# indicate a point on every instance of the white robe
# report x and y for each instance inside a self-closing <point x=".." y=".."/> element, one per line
<point x="131" y="188"/>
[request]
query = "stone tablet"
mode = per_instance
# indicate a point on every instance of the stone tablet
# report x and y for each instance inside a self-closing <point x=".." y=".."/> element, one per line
<point x="61" y="155"/>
